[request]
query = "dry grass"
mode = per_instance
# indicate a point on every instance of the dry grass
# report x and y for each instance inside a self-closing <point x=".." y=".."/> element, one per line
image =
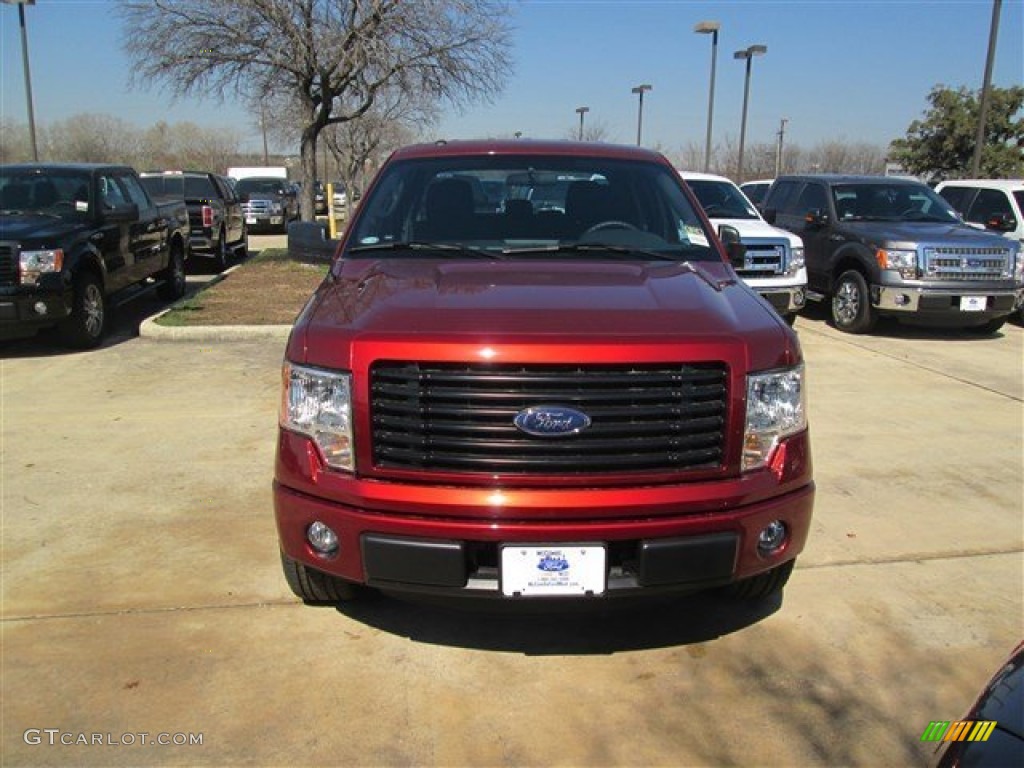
<point x="269" y="289"/>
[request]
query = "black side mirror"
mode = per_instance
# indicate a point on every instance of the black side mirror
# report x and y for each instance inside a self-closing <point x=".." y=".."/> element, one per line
<point x="770" y="214"/>
<point x="734" y="248"/>
<point x="816" y="219"/>
<point x="1001" y="222"/>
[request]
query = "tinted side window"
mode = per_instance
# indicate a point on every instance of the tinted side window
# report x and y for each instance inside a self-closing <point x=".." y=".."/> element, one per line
<point x="225" y="189"/>
<point x="135" y="191"/>
<point x="780" y="195"/>
<point x="988" y="203"/>
<point x="111" y="194"/>
<point x="812" y="198"/>
<point x="958" y="197"/>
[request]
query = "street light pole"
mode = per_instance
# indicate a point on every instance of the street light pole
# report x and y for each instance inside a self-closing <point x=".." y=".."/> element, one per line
<point x="704" y="28"/>
<point x="748" y="54"/>
<point x="778" y="151"/>
<point x="640" y="90"/>
<point x="28" y="76"/>
<point x="581" y="111"/>
<point x="986" y="90"/>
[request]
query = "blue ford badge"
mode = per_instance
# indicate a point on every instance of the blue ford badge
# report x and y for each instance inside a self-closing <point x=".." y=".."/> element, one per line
<point x="551" y="421"/>
<point x="553" y="562"/>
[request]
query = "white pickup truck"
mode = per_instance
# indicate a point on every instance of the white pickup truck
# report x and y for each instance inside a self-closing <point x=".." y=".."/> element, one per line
<point x="774" y="264"/>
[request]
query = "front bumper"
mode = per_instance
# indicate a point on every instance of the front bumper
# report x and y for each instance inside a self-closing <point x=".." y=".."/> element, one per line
<point x="22" y="314"/>
<point x="785" y="301"/>
<point x="947" y="302"/>
<point x="670" y="543"/>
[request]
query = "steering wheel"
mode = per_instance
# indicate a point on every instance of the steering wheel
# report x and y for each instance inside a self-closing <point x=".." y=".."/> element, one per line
<point x="610" y="224"/>
<point x="912" y="213"/>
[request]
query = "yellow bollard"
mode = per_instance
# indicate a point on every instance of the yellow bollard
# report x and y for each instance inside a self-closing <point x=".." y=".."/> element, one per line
<point x="332" y="224"/>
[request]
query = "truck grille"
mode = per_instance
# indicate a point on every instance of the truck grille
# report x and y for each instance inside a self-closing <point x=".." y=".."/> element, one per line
<point x="459" y="418"/>
<point x="763" y="259"/>
<point x="967" y="263"/>
<point x="256" y="208"/>
<point x="8" y="264"/>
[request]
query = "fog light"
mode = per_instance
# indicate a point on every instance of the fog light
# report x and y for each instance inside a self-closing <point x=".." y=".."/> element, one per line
<point x="901" y="300"/>
<point x="39" y="307"/>
<point x="772" y="538"/>
<point x="798" y="299"/>
<point x="322" y="538"/>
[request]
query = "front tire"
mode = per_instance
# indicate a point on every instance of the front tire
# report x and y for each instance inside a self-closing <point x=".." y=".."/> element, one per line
<point x="851" y="304"/>
<point x="220" y="253"/>
<point x="763" y="584"/>
<point x="84" y="327"/>
<point x="316" y="587"/>
<point x="172" y="285"/>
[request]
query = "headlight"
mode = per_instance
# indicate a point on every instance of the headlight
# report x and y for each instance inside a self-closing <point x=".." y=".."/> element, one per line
<point x="318" y="404"/>
<point x="796" y="259"/>
<point x="776" y="408"/>
<point x="32" y="264"/>
<point x="904" y="262"/>
<point x="1018" y="271"/>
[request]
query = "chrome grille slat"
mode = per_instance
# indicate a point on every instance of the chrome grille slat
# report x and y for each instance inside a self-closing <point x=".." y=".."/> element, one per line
<point x="966" y="264"/>
<point x="459" y="418"/>
<point x="8" y="263"/>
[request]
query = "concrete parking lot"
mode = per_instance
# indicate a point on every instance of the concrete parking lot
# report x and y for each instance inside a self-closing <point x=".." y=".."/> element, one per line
<point x="141" y="590"/>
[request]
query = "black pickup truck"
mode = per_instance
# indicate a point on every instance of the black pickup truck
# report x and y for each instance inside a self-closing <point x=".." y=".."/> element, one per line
<point x="73" y="235"/>
<point x="214" y="211"/>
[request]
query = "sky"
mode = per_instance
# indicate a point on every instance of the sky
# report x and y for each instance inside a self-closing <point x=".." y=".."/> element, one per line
<point x="850" y="70"/>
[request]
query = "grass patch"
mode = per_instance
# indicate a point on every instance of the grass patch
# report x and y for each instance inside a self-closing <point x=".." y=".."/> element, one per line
<point x="269" y="289"/>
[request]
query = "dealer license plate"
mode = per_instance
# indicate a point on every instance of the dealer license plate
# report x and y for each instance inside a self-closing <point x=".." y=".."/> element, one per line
<point x="972" y="303"/>
<point x="250" y="220"/>
<point x="553" y="570"/>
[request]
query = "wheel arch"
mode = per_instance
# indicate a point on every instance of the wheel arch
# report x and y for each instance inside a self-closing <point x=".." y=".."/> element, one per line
<point x="856" y="258"/>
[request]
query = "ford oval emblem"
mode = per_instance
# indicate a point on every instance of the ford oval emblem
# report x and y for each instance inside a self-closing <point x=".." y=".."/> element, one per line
<point x="551" y="421"/>
<point x="552" y="562"/>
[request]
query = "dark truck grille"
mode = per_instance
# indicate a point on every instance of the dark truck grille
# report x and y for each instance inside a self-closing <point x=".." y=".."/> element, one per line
<point x="966" y="263"/>
<point x="459" y="418"/>
<point x="8" y="264"/>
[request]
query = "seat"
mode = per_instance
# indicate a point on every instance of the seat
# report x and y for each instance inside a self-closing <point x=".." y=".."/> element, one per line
<point x="588" y="203"/>
<point x="519" y="219"/>
<point x="846" y="208"/>
<point x="45" y="194"/>
<point x="449" y="211"/>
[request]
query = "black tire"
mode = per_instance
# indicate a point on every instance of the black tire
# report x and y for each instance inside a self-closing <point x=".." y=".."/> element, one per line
<point x="790" y="318"/>
<point x="987" y="329"/>
<point x="851" y="304"/>
<point x="763" y="585"/>
<point x="84" y="327"/>
<point x="316" y="587"/>
<point x="172" y="279"/>
<point x="220" y="253"/>
<point x="242" y="246"/>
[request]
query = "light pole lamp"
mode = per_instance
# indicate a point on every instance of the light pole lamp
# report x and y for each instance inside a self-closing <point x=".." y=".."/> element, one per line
<point x="640" y="90"/>
<point x="748" y="54"/>
<point x="28" y="76"/>
<point x="709" y="28"/>
<point x="581" y="111"/>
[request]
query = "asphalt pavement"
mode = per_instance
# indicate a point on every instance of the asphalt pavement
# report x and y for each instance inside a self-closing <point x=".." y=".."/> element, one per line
<point x="142" y="594"/>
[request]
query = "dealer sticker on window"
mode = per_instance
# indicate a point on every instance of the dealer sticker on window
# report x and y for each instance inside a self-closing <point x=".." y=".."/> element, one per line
<point x="972" y="303"/>
<point x="549" y="570"/>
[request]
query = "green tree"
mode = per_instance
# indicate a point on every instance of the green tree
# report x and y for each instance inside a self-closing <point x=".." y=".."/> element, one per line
<point x="941" y="145"/>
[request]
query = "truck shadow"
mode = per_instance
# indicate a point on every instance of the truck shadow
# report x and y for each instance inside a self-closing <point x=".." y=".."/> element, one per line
<point x="561" y="629"/>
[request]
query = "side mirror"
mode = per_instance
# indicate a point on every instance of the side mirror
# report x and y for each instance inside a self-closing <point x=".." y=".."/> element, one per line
<point x="816" y="219"/>
<point x="734" y="249"/>
<point x="770" y="214"/>
<point x="121" y="213"/>
<point x="1001" y="222"/>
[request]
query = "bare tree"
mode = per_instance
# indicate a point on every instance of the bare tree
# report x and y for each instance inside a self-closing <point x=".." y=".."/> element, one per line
<point x="90" y="138"/>
<point x="333" y="56"/>
<point x="593" y="130"/>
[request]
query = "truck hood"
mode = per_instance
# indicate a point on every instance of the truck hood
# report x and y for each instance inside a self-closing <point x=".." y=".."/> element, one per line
<point x="756" y="228"/>
<point x="418" y="301"/>
<point x="37" y="229"/>
<point x="921" y="232"/>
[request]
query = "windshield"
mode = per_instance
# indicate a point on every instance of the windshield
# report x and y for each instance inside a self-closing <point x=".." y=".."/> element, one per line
<point x="722" y="199"/>
<point x="756" y="190"/>
<point x="63" y="193"/>
<point x="260" y="187"/>
<point x="891" y="202"/>
<point x="530" y="205"/>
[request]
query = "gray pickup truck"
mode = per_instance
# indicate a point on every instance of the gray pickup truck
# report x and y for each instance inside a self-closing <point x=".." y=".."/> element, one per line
<point x="881" y="246"/>
<point x="73" y="235"/>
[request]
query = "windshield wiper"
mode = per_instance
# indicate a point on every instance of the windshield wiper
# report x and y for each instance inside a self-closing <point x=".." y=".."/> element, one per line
<point x="417" y="245"/>
<point x="590" y="248"/>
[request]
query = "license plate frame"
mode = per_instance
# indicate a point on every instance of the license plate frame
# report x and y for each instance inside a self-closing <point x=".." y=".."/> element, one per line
<point x="250" y="220"/>
<point x="973" y="303"/>
<point x="532" y="571"/>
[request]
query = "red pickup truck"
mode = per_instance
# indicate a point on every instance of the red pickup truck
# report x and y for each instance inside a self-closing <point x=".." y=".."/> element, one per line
<point x="532" y="373"/>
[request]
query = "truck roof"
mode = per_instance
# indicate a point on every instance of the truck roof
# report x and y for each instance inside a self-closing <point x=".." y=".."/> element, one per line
<point x="1008" y="185"/>
<point x="88" y="167"/>
<point x="525" y="147"/>
<point x="845" y="178"/>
